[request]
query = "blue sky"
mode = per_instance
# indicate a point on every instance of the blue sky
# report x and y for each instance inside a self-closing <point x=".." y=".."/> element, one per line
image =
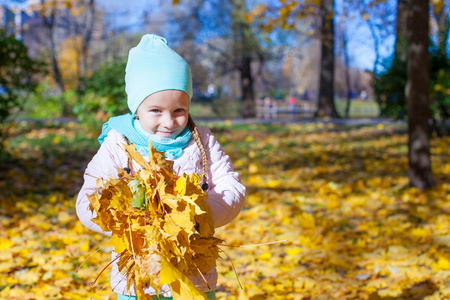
<point x="361" y="46"/>
<point x="17" y="3"/>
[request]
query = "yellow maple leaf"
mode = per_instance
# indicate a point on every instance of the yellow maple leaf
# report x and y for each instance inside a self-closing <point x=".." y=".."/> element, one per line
<point x="176" y="222"/>
<point x="118" y="243"/>
<point x="181" y="286"/>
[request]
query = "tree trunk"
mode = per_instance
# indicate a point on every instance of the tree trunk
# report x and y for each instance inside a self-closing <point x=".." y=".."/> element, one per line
<point x="347" y="73"/>
<point x="49" y="23"/>
<point x="248" y="102"/>
<point x="244" y="47"/>
<point x="326" y="106"/>
<point x="419" y="171"/>
<point x="401" y="30"/>
<point x="86" y="38"/>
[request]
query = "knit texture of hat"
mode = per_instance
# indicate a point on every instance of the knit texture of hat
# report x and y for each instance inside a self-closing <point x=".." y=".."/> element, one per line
<point x="153" y="67"/>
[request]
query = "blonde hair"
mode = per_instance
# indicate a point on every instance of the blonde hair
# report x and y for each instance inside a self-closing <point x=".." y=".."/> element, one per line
<point x="193" y="128"/>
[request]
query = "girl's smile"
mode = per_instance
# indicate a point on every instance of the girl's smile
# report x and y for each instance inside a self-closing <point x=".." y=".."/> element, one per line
<point x="164" y="113"/>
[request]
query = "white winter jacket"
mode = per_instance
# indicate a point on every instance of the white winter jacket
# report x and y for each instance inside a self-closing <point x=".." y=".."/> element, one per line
<point x="225" y="193"/>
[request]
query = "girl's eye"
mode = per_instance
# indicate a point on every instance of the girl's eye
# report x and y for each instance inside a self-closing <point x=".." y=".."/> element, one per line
<point x="179" y="110"/>
<point x="155" y="111"/>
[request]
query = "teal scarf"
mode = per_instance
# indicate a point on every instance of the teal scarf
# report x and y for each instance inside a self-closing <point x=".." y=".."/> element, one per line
<point x="133" y="131"/>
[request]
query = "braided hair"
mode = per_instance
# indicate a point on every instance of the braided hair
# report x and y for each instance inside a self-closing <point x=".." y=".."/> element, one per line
<point x="194" y="130"/>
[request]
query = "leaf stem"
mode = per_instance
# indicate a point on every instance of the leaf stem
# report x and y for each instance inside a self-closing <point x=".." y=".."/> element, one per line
<point x="131" y="239"/>
<point x="234" y="269"/>
<point x="253" y="245"/>
<point x="78" y="269"/>
<point x="110" y="263"/>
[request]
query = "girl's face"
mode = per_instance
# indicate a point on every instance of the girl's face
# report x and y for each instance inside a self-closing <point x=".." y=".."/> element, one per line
<point x="164" y="113"/>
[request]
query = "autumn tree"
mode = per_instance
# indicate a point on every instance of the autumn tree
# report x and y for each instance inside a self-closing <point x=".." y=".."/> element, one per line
<point x="406" y="85"/>
<point x="68" y="26"/>
<point x="231" y="39"/>
<point x="48" y="13"/>
<point x="244" y="44"/>
<point x="88" y="18"/>
<point x="417" y="95"/>
<point x="318" y="17"/>
<point x="326" y="107"/>
<point x="186" y="22"/>
<point x="346" y="60"/>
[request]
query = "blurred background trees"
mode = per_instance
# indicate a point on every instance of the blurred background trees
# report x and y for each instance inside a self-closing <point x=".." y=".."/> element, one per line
<point x="18" y="78"/>
<point x="248" y="57"/>
<point x="235" y="56"/>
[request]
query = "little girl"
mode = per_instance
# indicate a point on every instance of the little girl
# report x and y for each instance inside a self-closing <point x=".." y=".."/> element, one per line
<point x="159" y="89"/>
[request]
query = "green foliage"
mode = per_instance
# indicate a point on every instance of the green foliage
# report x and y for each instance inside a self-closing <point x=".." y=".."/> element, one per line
<point x="44" y="103"/>
<point x="439" y="86"/>
<point x="103" y="96"/>
<point x="390" y="89"/>
<point x="17" y="71"/>
<point x="17" y="78"/>
<point x="109" y="81"/>
<point x="93" y="110"/>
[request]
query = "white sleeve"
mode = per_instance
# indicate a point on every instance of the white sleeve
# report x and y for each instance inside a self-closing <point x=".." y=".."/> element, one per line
<point x="109" y="157"/>
<point x="226" y="194"/>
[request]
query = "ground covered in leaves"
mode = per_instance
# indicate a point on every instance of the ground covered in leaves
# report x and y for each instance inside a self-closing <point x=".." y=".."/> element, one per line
<point x="336" y="197"/>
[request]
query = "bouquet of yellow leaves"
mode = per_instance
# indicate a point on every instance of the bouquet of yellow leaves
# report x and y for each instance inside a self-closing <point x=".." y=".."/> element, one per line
<point x="161" y="226"/>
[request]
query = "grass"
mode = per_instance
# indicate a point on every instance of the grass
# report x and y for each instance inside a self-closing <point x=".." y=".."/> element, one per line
<point x="358" y="108"/>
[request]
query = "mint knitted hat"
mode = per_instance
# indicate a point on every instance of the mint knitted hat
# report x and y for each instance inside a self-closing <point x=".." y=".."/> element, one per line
<point x="153" y="67"/>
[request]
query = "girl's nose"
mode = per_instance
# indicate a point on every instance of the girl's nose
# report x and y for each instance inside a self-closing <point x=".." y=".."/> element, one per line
<point x="168" y="121"/>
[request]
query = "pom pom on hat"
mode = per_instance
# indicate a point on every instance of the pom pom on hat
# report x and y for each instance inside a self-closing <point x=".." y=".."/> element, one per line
<point x="153" y="67"/>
